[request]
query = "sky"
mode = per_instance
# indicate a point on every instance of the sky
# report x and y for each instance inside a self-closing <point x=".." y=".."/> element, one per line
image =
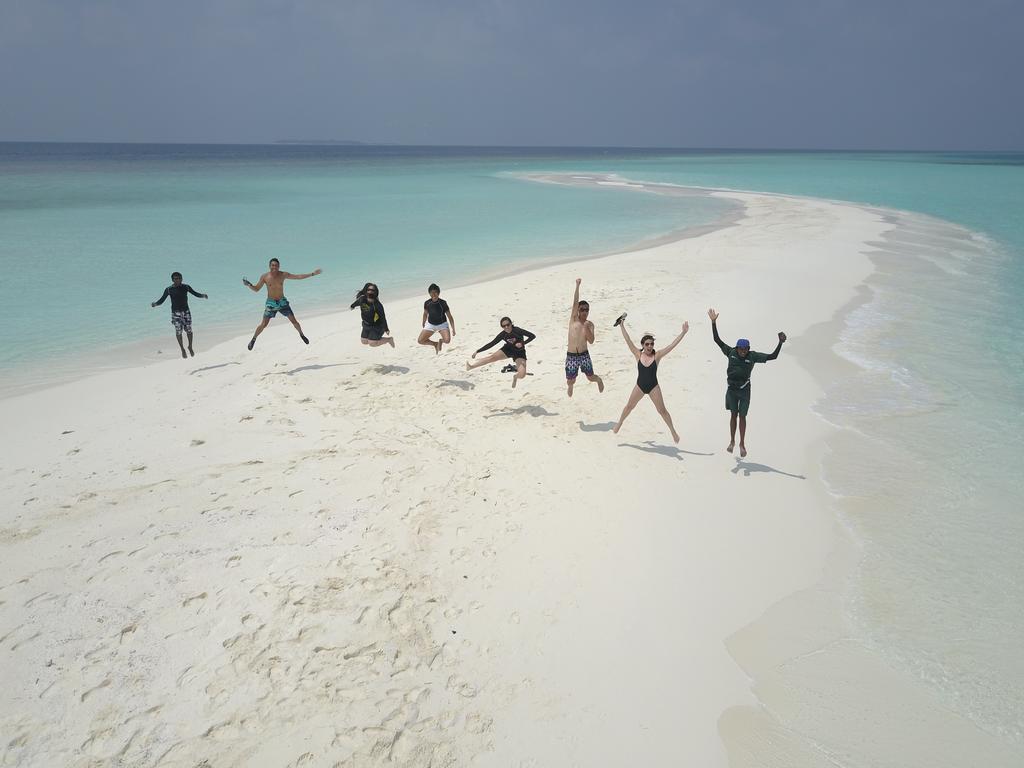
<point x="800" y="74"/>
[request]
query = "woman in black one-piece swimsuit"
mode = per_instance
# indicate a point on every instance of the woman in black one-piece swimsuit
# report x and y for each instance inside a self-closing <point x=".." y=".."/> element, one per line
<point x="647" y="376"/>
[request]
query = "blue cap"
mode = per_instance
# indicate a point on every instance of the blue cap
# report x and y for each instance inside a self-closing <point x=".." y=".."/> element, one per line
<point x="745" y="343"/>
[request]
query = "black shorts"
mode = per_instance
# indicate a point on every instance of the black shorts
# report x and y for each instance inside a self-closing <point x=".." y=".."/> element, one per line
<point x="515" y="353"/>
<point x="372" y="332"/>
<point x="737" y="400"/>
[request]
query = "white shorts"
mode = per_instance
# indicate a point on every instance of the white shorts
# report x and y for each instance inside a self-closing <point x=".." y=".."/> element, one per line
<point x="439" y="327"/>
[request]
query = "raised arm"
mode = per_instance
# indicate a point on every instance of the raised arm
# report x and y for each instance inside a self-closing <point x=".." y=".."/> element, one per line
<point x="490" y="344"/>
<point x="778" y="348"/>
<point x="260" y="284"/>
<point x="575" y="302"/>
<point x="527" y="336"/>
<point x="360" y="297"/>
<point x="662" y="352"/>
<point x="162" y="299"/>
<point x="197" y="295"/>
<point x="290" y="276"/>
<point x="629" y="341"/>
<point x="726" y="349"/>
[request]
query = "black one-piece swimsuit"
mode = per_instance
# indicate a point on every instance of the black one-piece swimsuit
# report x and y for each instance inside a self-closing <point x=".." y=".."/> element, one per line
<point x="646" y="376"/>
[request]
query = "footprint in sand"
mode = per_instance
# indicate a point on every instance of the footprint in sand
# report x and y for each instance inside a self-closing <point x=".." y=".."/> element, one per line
<point x="200" y="596"/>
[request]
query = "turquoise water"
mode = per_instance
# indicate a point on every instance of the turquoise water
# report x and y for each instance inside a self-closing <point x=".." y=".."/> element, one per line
<point x="91" y="233"/>
<point x="928" y="476"/>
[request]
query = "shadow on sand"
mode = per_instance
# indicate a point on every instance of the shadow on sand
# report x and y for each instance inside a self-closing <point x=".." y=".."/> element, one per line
<point x="212" y="367"/>
<point x="748" y="468"/>
<point x="604" y="426"/>
<point x="465" y="386"/>
<point x="532" y="410"/>
<point x="386" y="369"/>
<point x="665" y="450"/>
<point x="304" y="368"/>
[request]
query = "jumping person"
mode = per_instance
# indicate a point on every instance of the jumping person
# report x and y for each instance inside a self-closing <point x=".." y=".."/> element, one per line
<point x="581" y="331"/>
<point x="181" y="317"/>
<point x="375" y="323"/>
<point x="513" y="348"/>
<point x="437" y="318"/>
<point x="647" y="375"/>
<point x="737" y="375"/>
<point x="276" y="302"/>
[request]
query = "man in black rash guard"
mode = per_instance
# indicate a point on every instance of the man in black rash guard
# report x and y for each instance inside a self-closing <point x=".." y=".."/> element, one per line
<point x="737" y="392"/>
<point x="514" y="341"/>
<point x="181" y="317"/>
<point x="375" y="322"/>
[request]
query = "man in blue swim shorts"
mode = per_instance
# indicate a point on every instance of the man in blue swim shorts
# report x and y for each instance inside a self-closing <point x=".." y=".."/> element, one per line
<point x="581" y="332"/>
<point x="276" y="302"/>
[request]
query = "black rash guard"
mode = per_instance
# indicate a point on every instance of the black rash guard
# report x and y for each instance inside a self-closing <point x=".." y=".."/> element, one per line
<point x="179" y="297"/>
<point x="372" y="313"/>
<point x="436" y="311"/>
<point x="515" y="341"/>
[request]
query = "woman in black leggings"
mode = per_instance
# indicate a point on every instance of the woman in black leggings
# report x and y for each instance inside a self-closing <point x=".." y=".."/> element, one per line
<point x="647" y="376"/>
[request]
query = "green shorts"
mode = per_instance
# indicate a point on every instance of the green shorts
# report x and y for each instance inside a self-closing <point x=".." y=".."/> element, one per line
<point x="737" y="400"/>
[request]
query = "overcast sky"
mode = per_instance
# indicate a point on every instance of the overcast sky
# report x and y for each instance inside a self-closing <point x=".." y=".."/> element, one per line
<point x="915" y="74"/>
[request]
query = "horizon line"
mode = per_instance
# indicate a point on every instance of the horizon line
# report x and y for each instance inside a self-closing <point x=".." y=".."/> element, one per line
<point x="352" y="144"/>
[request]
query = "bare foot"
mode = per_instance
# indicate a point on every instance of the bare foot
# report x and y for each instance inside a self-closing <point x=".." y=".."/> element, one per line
<point x="437" y="347"/>
<point x="191" y="353"/>
<point x="515" y="380"/>
<point x="391" y="341"/>
<point x="730" y="447"/>
<point x="600" y="384"/>
<point x="743" y="450"/>
<point x="615" y="429"/>
<point x="184" y="355"/>
<point x="675" y="436"/>
<point x="469" y="367"/>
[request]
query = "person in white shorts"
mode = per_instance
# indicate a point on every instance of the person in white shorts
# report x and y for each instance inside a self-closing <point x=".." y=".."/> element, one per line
<point x="437" y="318"/>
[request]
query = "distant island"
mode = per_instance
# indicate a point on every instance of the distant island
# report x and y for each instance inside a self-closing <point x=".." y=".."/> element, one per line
<point x="343" y="142"/>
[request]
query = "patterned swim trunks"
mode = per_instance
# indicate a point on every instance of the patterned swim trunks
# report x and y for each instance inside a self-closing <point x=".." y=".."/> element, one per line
<point x="277" y="305"/>
<point x="576" y="362"/>
<point x="181" y="320"/>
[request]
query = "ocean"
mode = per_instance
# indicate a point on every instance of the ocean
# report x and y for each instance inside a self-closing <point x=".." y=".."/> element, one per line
<point x="923" y="471"/>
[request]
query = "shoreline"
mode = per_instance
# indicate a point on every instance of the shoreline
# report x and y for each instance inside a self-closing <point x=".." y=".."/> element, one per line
<point x="565" y="542"/>
<point x="157" y="348"/>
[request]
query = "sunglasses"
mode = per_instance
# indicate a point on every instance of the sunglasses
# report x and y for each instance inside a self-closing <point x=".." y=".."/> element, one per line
<point x="506" y="325"/>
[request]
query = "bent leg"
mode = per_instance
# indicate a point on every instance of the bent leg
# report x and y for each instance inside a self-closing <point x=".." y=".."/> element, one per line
<point x="659" y="403"/>
<point x="634" y="397"/>
<point x="491" y="358"/>
<point x="520" y="372"/>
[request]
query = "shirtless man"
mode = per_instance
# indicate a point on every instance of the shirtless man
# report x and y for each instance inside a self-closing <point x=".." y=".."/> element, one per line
<point x="276" y="302"/>
<point x="581" y="331"/>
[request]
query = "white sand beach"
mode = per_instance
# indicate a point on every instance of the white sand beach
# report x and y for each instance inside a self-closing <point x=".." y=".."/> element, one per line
<point x="334" y="555"/>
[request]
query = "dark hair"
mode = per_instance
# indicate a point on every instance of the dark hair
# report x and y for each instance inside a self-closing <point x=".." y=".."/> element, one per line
<point x="175" y="274"/>
<point x="273" y="260"/>
<point x="581" y="303"/>
<point x="363" y="291"/>
<point x="645" y="337"/>
<point x="433" y="287"/>
<point x="502" y="321"/>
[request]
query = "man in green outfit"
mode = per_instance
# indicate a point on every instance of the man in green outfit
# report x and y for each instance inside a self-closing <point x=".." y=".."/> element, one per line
<point x="737" y="393"/>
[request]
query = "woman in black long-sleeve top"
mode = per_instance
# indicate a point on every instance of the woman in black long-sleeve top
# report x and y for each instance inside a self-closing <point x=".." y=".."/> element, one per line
<point x="514" y="341"/>
<point x="375" y="322"/>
